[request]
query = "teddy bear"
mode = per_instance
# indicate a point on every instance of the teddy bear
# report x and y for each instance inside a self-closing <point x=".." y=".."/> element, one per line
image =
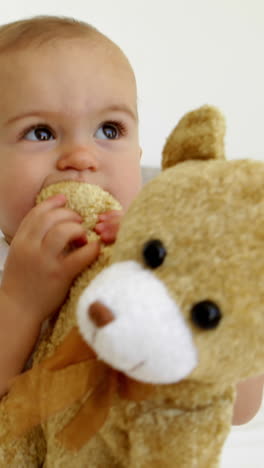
<point x="143" y="372"/>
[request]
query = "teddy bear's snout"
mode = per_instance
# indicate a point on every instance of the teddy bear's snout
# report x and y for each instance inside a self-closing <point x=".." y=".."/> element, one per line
<point x="100" y="314"/>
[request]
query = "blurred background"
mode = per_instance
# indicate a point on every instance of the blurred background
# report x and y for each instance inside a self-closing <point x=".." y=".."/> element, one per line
<point x="185" y="54"/>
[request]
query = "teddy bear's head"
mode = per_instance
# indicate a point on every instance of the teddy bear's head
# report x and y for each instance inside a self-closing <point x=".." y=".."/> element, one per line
<point x="184" y="296"/>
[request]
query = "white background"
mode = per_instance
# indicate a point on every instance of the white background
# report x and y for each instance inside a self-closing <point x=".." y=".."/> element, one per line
<point x="185" y="54"/>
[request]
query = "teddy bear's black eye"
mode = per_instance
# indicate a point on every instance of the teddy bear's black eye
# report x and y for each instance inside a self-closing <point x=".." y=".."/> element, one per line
<point x="154" y="253"/>
<point x="206" y="315"/>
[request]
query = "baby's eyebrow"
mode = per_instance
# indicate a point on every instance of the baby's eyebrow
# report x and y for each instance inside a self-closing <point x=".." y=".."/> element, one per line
<point x="123" y="108"/>
<point x="43" y="114"/>
<point x="27" y="114"/>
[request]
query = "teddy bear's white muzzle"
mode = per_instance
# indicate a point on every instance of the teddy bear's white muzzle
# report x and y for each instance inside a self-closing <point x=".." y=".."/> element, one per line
<point x="128" y="317"/>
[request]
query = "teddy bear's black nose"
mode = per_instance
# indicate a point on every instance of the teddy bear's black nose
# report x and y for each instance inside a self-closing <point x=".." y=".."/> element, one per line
<point x="100" y="314"/>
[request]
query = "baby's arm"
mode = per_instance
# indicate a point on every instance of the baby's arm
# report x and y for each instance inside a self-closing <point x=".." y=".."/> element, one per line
<point x="38" y="273"/>
<point x="248" y="400"/>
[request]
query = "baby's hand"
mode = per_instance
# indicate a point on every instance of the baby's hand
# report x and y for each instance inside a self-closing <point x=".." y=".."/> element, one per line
<point x="108" y="225"/>
<point x="42" y="264"/>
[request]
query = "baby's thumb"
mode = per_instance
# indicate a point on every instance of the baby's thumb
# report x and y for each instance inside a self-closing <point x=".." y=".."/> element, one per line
<point x="82" y="257"/>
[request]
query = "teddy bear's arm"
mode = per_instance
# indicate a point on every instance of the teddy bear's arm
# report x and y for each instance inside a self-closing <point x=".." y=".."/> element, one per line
<point x="168" y="437"/>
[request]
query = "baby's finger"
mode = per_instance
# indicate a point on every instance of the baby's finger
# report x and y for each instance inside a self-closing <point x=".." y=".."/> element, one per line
<point x="81" y="258"/>
<point x="58" y="240"/>
<point x="110" y="215"/>
<point x="43" y="222"/>
<point x="47" y="205"/>
<point x="107" y="232"/>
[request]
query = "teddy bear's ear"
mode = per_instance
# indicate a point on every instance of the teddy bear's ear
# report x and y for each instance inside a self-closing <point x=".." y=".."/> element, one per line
<point x="198" y="135"/>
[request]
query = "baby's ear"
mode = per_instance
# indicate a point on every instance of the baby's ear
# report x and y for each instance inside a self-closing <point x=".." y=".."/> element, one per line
<point x="198" y="135"/>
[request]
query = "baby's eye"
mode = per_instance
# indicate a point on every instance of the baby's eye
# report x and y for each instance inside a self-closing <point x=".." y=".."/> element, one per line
<point x="108" y="131"/>
<point x="39" y="133"/>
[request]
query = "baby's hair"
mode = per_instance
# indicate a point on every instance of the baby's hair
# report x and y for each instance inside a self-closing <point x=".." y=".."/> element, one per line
<point x="41" y="29"/>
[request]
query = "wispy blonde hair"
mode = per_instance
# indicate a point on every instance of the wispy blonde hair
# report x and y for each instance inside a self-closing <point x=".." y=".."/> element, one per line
<point x="41" y="29"/>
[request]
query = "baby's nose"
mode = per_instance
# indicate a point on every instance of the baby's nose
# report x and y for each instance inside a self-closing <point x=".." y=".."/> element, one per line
<point x="100" y="314"/>
<point x="79" y="158"/>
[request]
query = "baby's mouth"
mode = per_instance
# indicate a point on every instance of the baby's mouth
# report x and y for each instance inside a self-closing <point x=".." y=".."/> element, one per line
<point x="71" y="177"/>
<point x="75" y="177"/>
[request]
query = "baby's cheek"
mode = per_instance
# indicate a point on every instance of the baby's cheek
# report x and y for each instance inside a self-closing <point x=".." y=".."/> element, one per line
<point x="19" y="207"/>
<point x="130" y="195"/>
<point x="129" y="185"/>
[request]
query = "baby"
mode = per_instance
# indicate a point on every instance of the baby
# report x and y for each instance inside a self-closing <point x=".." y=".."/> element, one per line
<point x="68" y="112"/>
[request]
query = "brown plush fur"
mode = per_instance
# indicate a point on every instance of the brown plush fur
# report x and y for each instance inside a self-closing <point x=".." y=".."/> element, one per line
<point x="209" y="213"/>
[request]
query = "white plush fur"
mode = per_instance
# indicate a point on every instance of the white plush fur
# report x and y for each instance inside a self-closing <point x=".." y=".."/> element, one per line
<point x="147" y="337"/>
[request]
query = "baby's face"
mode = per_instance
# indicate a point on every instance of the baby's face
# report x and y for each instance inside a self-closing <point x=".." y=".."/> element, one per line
<point x="68" y="112"/>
